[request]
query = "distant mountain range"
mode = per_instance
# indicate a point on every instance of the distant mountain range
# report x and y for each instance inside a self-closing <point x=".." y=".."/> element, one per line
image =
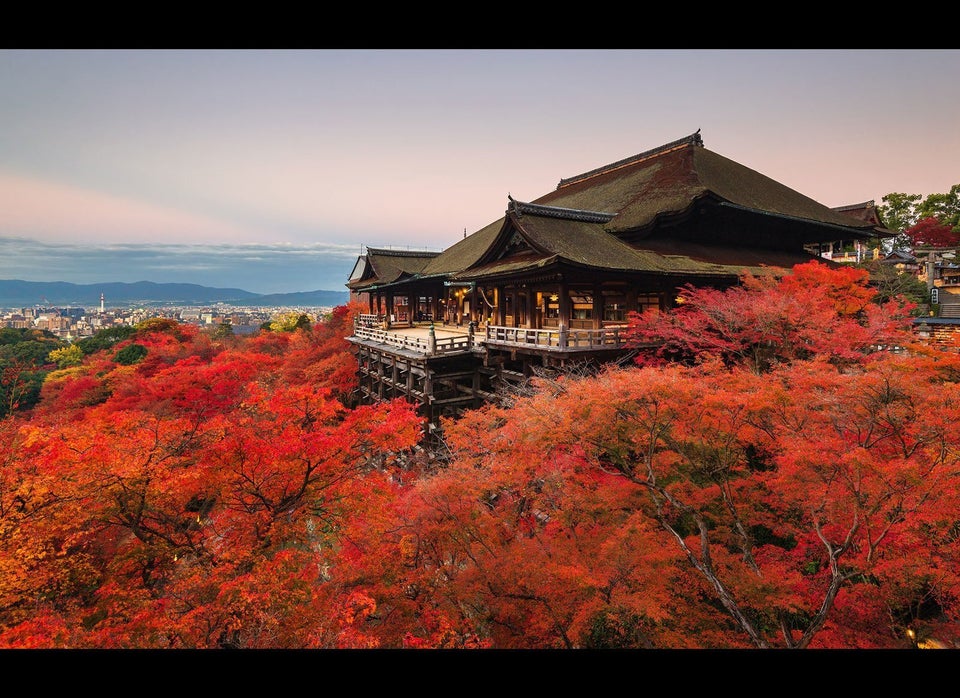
<point x="17" y="294"/>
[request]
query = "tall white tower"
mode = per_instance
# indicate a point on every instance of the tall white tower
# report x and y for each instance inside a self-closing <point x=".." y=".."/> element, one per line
<point x="101" y="304"/>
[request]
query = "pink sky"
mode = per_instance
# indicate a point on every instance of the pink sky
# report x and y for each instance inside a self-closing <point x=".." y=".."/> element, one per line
<point x="410" y="147"/>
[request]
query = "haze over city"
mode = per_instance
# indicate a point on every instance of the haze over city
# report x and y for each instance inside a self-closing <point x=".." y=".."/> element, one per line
<point x="270" y="170"/>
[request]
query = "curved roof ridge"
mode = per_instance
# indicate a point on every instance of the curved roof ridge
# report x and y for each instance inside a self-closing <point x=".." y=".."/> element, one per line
<point x="574" y="214"/>
<point x="401" y="253"/>
<point x="853" y="207"/>
<point x="693" y="139"/>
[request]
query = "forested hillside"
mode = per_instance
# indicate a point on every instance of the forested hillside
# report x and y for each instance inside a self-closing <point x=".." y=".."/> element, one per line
<point x="768" y="474"/>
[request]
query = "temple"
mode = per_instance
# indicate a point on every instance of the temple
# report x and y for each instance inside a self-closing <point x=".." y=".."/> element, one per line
<point x="553" y="281"/>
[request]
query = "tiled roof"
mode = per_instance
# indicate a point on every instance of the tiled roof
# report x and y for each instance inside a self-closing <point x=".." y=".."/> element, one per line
<point x="866" y="212"/>
<point x="464" y="252"/>
<point x="581" y="222"/>
<point x="557" y="241"/>
<point x="670" y="179"/>
<point x="389" y="265"/>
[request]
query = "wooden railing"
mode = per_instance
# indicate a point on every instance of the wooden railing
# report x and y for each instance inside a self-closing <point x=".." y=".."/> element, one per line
<point x="612" y="337"/>
<point x="368" y="320"/>
<point x="429" y="345"/>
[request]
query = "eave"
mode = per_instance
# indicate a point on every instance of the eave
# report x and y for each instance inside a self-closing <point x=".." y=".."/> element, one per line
<point x="844" y="230"/>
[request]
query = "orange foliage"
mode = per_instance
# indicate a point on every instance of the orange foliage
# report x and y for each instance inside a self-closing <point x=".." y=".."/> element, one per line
<point x="765" y="321"/>
<point x="201" y="498"/>
<point x="225" y="494"/>
<point x="798" y="499"/>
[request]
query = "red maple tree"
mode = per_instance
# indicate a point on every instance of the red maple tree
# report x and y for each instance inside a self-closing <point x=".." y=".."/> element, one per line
<point x="930" y="232"/>
<point x="814" y="311"/>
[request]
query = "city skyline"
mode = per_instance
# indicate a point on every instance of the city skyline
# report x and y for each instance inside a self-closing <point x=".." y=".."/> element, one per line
<point x="271" y="170"/>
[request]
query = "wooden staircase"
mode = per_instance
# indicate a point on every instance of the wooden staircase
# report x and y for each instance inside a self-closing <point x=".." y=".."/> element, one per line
<point x="950" y="310"/>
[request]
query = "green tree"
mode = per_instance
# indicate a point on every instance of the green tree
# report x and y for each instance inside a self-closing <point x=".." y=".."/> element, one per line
<point x="130" y="354"/>
<point x="20" y="383"/>
<point x="28" y="345"/>
<point x="106" y="338"/>
<point x="898" y="210"/>
<point x="23" y="354"/>
<point x="223" y="330"/>
<point x="944" y="207"/>
<point x="10" y="335"/>
<point x="892" y="283"/>
<point x="898" y="213"/>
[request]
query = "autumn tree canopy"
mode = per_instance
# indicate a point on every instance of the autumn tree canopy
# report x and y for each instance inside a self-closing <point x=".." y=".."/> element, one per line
<point x="197" y="497"/>
<point x="930" y="232"/>
<point x="799" y="494"/>
<point x="779" y="471"/>
<point x="815" y="311"/>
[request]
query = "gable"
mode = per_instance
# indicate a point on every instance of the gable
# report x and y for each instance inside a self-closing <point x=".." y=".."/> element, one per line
<point x="359" y="269"/>
<point x="510" y="245"/>
<point x="515" y="245"/>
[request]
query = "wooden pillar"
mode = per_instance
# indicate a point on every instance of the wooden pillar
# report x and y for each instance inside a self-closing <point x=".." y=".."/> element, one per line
<point x="361" y="372"/>
<point x="597" y="306"/>
<point x="475" y="314"/>
<point x="367" y="378"/>
<point x="501" y="306"/>
<point x="565" y="306"/>
<point x="380" y="376"/>
<point x="479" y="306"/>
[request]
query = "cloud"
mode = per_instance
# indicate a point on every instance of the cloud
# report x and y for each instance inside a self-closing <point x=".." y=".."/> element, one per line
<point x="256" y="267"/>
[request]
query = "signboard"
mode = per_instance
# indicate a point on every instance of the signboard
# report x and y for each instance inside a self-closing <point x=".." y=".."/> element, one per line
<point x="934" y="295"/>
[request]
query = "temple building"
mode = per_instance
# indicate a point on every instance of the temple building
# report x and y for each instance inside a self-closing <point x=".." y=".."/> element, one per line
<point x="554" y="280"/>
